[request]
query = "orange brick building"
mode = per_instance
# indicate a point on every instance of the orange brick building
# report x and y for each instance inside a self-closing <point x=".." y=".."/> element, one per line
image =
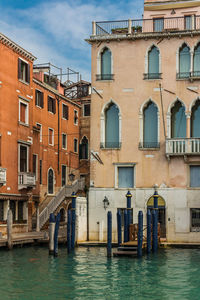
<point x="39" y="136"/>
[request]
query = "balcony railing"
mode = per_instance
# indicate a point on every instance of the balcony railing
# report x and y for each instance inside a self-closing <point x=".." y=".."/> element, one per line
<point x="183" y="146"/>
<point x="104" y="76"/>
<point x="2" y="175"/>
<point x="26" y="180"/>
<point x="149" y="145"/>
<point x="110" y="145"/>
<point x="152" y="75"/>
<point x="173" y="24"/>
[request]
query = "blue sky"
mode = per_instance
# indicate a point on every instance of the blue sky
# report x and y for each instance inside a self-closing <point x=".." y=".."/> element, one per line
<point x="54" y="30"/>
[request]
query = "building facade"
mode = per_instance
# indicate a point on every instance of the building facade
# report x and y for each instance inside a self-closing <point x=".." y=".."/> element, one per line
<point x="145" y="122"/>
<point x="39" y="137"/>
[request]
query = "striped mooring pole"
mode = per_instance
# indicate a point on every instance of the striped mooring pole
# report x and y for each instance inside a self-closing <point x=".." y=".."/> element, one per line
<point x="56" y="235"/>
<point x="128" y="205"/>
<point x="109" y="234"/>
<point x="119" y="227"/>
<point x="69" y="230"/>
<point x="73" y="220"/>
<point x="140" y="233"/>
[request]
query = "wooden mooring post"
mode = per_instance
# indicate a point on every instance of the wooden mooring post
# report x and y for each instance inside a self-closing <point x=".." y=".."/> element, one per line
<point x="140" y="233"/>
<point x="109" y="234"/>
<point x="9" y="229"/>
<point x="56" y="234"/>
<point x="51" y="233"/>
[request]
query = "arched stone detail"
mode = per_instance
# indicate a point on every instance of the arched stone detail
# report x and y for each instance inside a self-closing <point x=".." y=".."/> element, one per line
<point x="147" y="58"/>
<point x="99" y="59"/>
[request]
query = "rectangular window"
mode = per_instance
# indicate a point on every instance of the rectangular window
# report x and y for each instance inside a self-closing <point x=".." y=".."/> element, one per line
<point x="64" y="141"/>
<point x="40" y="171"/>
<point x="23" y="71"/>
<point x="39" y="96"/>
<point x="125" y="175"/>
<point x="122" y="215"/>
<point x="40" y="128"/>
<point x="51" y="105"/>
<point x="158" y="24"/>
<point x="75" y="117"/>
<point x="23" y="158"/>
<point x="86" y="110"/>
<point x="20" y="210"/>
<point x="1" y="210"/>
<point x="64" y="172"/>
<point x="35" y="159"/>
<point x="23" y="112"/>
<point x="13" y="209"/>
<point x="51" y="136"/>
<point x="195" y="176"/>
<point x="188" y="22"/>
<point x="65" y="111"/>
<point x="76" y="145"/>
<point x="195" y="219"/>
<point x="82" y="91"/>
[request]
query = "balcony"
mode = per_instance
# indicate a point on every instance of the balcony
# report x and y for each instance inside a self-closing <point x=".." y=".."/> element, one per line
<point x="104" y="77"/>
<point x="182" y="146"/>
<point x="154" y="25"/>
<point x="152" y="76"/>
<point x="149" y="145"/>
<point x="2" y="176"/>
<point x="26" y="180"/>
<point x="110" y="145"/>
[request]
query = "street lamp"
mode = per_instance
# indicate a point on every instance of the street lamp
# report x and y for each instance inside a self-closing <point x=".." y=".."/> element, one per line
<point x="106" y="203"/>
<point x="71" y="177"/>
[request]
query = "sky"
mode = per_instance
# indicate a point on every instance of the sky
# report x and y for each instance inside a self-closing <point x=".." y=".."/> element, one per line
<point x="55" y="30"/>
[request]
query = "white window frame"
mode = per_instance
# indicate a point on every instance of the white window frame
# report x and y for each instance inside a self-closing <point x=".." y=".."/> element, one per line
<point x="49" y="128"/>
<point x="63" y="104"/>
<point x="26" y="112"/>
<point x="21" y="79"/>
<point x="43" y="97"/>
<point x="40" y="125"/>
<point x="117" y="165"/>
<point x="64" y="134"/>
<point x="99" y="60"/>
<point x="27" y="157"/>
<point x="76" y="144"/>
<point x="36" y="171"/>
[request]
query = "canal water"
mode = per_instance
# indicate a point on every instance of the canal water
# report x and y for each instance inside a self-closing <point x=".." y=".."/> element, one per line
<point x="30" y="273"/>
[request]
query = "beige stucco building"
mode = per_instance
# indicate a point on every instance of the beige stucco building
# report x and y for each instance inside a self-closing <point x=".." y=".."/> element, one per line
<point x="145" y="118"/>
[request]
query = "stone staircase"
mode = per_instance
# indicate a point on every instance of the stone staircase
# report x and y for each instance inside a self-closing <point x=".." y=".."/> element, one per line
<point x="51" y="205"/>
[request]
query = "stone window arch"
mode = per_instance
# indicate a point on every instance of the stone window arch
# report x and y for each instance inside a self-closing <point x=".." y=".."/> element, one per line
<point x="105" y="64"/>
<point x="152" y="63"/>
<point x="50" y="181"/>
<point x="184" y="58"/>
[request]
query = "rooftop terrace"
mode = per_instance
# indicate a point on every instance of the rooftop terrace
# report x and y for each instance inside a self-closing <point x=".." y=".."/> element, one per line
<point x="161" y="25"/>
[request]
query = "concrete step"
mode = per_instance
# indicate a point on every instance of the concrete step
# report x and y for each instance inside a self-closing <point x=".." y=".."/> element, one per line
<point x="127" y="248"/>
<point x="125" y="253"/>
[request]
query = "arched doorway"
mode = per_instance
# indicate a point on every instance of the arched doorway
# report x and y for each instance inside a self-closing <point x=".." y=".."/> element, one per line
<point x="50" y="181"/>
<point x="161" y="213"/>
<point x="62" y="215"/>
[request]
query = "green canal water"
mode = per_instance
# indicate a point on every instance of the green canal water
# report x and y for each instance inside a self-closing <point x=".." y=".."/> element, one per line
<point x="30" y="273"/>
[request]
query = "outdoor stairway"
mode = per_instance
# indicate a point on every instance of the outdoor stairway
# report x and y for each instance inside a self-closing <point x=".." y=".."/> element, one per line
<point x="62" y="194"/>
<point x="128" y="249"/>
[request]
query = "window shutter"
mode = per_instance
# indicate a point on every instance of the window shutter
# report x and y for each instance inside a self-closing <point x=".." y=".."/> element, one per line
<point x="80" y="151"/>
<point x="28" y="73"/>
<point x="19" y="69"/>
<point x="36" y="102"/>
<point x="42" y="100"/>
<point x="54" y="106"/>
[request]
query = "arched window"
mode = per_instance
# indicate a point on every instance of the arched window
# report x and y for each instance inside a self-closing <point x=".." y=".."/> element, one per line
<point x="184" y="61"/>
<point x="150" y="126"/>
<point x="178" y="121"/>
<point x="112" y="126"/>
<point x="50" y="181"/>
<point x="195" y="120"/>
<point x="83" y="151"/>
<point x="106" y="65"/>
<point x="196" y="60"/>
<point x="153" y="63"/>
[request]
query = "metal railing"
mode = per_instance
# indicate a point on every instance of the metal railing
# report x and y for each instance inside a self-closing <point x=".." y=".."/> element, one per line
<point x="65" y="191"/>
<point x="172" y="24"/>
<point x="104" y="76"/>
<point x="182" y="146"/>
<point x="110" y="145"/>
<point x="144" y="145"/>
<point x="152" y="76"/>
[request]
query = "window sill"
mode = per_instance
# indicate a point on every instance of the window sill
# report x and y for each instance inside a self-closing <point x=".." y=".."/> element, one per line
<point x="23" y="124"/>
<point x="25" y="82"/>
<point x="64" y="119"/>
<point x="52" y="113"/>
<point x="40" y="107"/>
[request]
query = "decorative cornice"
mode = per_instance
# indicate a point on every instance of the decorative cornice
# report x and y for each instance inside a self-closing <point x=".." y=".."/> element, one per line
<point x="9" y="43"/>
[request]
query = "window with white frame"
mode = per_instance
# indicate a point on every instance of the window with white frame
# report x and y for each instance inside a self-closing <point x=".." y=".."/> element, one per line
<point x="64" y="141"/>
<point x="51" y="105"/>
<point x="86" y="110"/>
<point x="75" y="117"/>
<point x="65" y="111"/>
<point x="112" y="126"/>
<point x="158" y="24"/>
<point x="184" y="62"/>
<point x="124" y="176"/>
<point x="150" y="126"/>
<point x="188" y="22"/>
<point x="195" y="176"/>
<point x="75" y="145"/>
<point x="23" y="70"/>
<point x="40" y="128"/>
<point x="195" y="219"/>
<point x="153" y="63"/>
<point x="39" y="98"/>
<point x="51" y="136"/>
<point x="105" y="65"/>
<point x="178" y="120"/>
<point x="23" y="112"/>
<point x="23" y="158"/>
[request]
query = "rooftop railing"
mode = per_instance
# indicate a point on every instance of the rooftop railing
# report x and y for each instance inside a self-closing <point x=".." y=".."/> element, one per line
<point x="156" y="25"/>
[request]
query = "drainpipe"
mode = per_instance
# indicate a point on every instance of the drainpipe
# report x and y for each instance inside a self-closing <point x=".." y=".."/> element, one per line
<point x="58" y="102"/>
